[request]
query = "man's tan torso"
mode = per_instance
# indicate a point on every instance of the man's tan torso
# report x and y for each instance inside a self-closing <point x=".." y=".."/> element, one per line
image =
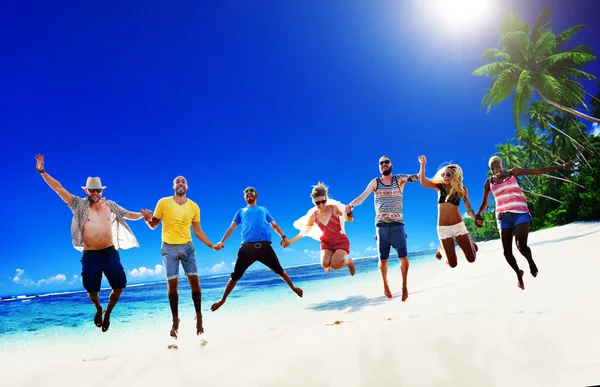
<point x="97" y="231"/>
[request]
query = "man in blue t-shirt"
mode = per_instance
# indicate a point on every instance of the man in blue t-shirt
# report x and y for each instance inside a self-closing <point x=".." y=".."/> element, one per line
<point x="256" y="244"/>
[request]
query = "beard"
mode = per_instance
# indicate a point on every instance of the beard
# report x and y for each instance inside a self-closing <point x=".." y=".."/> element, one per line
<point x="387" y="172"/>
<point x="251" y="199"/>
<point x="180" y="192"/>
<point x="93" y="200"/>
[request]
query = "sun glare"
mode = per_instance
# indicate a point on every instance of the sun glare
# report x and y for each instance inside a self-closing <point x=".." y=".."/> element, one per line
<point x="459" y="14"/>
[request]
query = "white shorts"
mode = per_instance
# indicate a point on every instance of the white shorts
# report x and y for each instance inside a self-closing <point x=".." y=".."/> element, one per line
<point x="445" y="232"/>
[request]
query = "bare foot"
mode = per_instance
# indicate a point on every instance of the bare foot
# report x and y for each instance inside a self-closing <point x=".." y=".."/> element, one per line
<point x="106" y="322"/>
<point x="217" y="305"/>
<point x="520" y="278"/>
<point x="387" y="291"/>
<point x="175" y="327"/>
<point x="404" y="293"/>
<point x="98" y="318"/>
<point x="199" y="327"/>
<point x="533" y="268"/>
<point x="327" y="269"/>
<point x="438" y="253"/>
<point x="351" y="267"/>
<point x="475" y="247"/>
<point x="298" y="291"/>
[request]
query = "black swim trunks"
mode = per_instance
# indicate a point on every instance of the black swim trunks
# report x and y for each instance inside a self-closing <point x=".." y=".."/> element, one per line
<point x="255" y="251"/>
<point x="96" y="262"/>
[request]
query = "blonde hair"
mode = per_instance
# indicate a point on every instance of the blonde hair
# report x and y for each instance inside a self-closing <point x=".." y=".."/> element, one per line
<point x="319" y="190"/>
<point x="494" y="159"/>
<point x="456" y="185"/>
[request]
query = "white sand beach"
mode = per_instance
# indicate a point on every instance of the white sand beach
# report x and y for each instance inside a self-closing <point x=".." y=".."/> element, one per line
<point x="468" y="326"/>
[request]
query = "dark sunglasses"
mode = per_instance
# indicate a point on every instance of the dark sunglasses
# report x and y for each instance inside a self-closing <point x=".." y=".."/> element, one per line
<point x="249" y="190"/>
<point x="384" y="162"/>
<point x="448" y="174"/>
<point x="320" y="202"/>
<point x="94" y="190"/>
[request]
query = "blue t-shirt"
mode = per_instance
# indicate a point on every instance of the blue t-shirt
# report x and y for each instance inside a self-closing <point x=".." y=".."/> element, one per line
<point x="255" y="223"/>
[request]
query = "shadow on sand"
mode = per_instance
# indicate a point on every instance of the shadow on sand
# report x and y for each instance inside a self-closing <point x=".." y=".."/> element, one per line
<point x="356" y="303"/>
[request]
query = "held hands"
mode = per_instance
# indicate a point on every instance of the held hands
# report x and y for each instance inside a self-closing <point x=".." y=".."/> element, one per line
<point x="478" y="220"/>
<point x="422" y="160"/>
<point x="285" y="243"/>
<point x="218" y="246"/>
<point x="147" y="214"/>
<point x="349" y="208"/>
<point x="39" y="163"/>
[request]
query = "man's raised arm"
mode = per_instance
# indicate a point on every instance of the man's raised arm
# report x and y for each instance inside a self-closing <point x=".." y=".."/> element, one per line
<point x="55" y="185"/>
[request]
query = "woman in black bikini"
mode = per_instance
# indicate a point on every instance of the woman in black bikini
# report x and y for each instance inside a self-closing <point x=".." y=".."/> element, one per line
<point x="450" y="223"/>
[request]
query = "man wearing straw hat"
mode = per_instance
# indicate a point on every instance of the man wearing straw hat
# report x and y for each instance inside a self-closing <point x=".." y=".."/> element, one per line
<point x="98" y="229"/>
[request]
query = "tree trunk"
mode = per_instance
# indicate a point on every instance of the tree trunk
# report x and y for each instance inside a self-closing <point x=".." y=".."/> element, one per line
<point x="572" y="111"/>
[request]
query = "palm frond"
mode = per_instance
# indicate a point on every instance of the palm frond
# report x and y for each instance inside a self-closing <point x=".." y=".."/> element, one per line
<point x="493" y="69"/>
<point x="538" y="26"/>
<point x="522" y="96"/>
<point x="545" y="45"/>
<point x="576" y="58"/>
<point x="501" y="88"/>
<point x="493" y="54"/>
<point x="515" y="43"/>
<point x="547" y="85"/>
<point x="578" y="74"/>
<point x="566" y="35"/>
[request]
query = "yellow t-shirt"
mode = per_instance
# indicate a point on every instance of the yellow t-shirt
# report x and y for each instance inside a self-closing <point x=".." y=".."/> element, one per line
<point x="176" y="220"/>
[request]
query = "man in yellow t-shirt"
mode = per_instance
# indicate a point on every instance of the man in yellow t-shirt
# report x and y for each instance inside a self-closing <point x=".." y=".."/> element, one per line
<point x="178" y="213"/>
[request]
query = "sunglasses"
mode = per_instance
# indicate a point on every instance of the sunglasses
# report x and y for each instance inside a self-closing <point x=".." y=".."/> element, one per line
<point x="386" y="162"/>
<point x="448" y="174"/>
<point x="320" y="202"/>
<point x="94" y="190"/>
<point x="249" y="190"/>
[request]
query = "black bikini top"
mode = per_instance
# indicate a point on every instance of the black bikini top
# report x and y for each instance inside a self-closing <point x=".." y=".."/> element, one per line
<point x="454" y="199"/>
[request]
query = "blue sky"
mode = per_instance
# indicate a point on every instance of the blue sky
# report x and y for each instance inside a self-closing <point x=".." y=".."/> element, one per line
<point x="274" y="94"/>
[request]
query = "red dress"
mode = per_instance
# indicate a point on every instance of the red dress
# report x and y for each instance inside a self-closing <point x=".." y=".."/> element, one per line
<point x="332" y="238"/>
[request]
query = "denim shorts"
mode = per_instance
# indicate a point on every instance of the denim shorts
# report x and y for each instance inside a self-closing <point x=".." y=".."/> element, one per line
<point x="96" y="262"/>
<point x="511" y="219"/>
<point x="391" y="235"/>
<point x="172" y="254"/>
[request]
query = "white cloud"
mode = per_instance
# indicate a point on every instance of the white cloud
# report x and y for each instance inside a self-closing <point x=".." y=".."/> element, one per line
<point x="595" y="129"/>
<point x="57" y="279"/>
<point x="369" y="248"/>
<point x="145" y="272"/>
<point x="313" y="254"/>
<point x="75" y="278"/>
<point x="218" y="268"/>
<point x="20" y="278"/>
<point x="432" y="245"/>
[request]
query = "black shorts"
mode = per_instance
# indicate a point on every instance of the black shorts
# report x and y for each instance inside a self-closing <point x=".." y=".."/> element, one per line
<point x="252" y="252"/>
<point x="96" y="262"/>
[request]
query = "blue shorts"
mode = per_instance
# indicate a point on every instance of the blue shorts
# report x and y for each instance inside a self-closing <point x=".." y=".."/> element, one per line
<point x="96" y="262"/>
<point x="511" y="219"/>
<point x="391" y="235"/>
<point x="172" y="254"/>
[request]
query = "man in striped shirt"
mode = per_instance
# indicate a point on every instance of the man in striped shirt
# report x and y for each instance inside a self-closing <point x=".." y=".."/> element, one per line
<point x="389" y="221"/>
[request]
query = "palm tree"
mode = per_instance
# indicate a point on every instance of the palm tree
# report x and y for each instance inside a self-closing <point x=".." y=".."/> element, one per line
<point x="534" y="60"/>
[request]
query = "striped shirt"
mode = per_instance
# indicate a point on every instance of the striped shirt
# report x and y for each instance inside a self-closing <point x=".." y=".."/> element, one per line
<point x="123" y="237"/>
<point x="388" y="202"/>
<point x="509" y="197"/>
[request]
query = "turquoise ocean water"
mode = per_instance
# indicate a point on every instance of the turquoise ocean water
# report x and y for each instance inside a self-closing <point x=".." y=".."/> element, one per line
<point x="49" y="319"/>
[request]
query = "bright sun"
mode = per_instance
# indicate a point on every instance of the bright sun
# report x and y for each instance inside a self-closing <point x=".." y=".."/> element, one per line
<point x="459" y="14"/>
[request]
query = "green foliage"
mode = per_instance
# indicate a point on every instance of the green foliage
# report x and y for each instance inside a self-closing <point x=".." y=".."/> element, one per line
<point x="534" y="59"/>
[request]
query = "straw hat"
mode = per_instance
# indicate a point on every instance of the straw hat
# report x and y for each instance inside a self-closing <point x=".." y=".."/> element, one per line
<point x="93" y="183"/>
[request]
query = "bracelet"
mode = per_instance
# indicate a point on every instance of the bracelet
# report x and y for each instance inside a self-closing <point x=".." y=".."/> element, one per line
<point x="41" y="171"/>
<point x="283" y="236"/>
<point x="471" y="210"/>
